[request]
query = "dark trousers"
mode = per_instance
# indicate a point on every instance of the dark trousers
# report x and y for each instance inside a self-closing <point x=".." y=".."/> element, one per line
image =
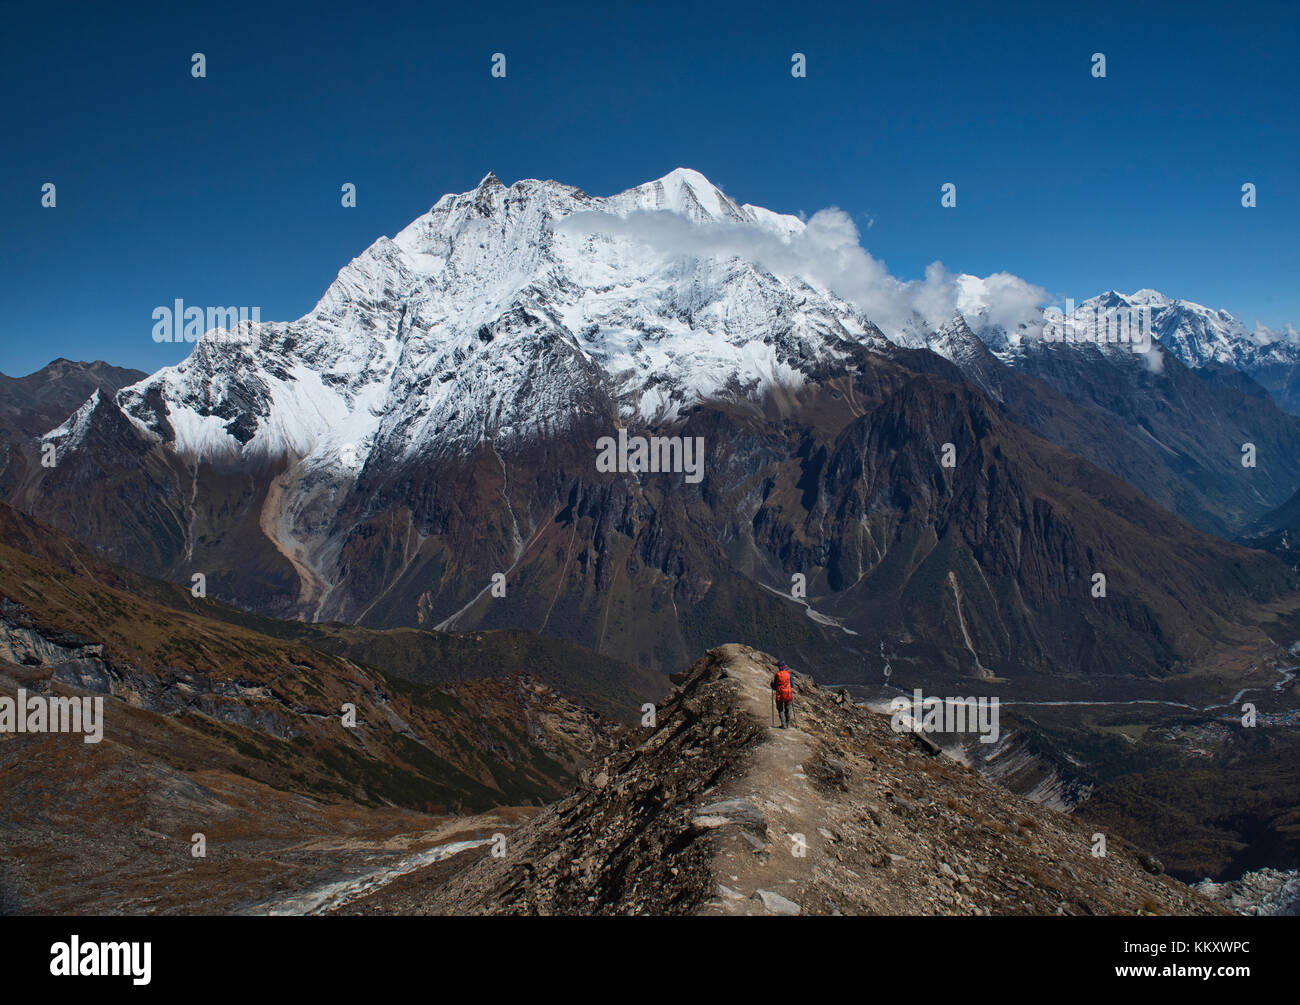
<point x="783" y="711"/>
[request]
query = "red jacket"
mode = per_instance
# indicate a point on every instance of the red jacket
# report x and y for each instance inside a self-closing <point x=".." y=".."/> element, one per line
<point x="782" y="686"/>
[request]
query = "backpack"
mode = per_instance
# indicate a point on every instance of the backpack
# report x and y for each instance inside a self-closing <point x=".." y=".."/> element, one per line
<point x="784" y="688"/>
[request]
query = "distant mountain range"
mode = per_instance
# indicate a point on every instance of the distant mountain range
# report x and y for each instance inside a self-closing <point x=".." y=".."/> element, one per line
<point x="932" y="476"/>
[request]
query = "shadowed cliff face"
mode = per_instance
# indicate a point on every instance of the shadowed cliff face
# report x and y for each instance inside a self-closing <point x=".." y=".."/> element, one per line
<point x="908" y="508"/>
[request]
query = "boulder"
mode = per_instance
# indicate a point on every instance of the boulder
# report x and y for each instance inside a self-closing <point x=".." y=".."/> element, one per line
<point x="741" y="812"/>
<point x="774" y="903"/>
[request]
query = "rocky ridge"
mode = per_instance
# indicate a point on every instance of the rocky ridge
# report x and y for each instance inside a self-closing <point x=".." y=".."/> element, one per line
<point x="716" y="812"/>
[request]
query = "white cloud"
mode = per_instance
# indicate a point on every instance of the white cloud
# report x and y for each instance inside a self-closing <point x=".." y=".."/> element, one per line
<point x="827" y="251"/>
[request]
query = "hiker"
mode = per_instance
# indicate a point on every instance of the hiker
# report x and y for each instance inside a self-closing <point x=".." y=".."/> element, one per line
<point x="782" y="685"/>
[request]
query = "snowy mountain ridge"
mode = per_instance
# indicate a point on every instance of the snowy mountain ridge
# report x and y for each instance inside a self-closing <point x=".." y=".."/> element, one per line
<point x="504" y="312"/>
<point x="419" y="339"/>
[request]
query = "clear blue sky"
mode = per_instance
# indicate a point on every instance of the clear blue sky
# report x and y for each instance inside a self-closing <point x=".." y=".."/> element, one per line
<point x="225" y="190"/>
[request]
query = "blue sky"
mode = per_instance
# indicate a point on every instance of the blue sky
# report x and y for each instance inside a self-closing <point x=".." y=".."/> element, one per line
<point x="225" y="190"/>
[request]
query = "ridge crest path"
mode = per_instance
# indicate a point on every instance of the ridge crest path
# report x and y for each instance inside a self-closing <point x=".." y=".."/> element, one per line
<point x="777" y="784"/>
<point x="712" y="810"/>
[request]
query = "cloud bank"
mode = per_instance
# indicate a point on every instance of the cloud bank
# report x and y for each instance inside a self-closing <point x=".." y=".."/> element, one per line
<point x="827" y="251"/>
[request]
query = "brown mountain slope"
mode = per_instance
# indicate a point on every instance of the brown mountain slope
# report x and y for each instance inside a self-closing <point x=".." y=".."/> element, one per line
<point x="716" y="812"/>
<point x="213" y="728"/>
<point x="225" y="695"/>
<point x="997" y="554"/>
<point x="982" y="568"/>
<point x="41" y="400"/>
<point x="1173" y="433"/>
<point x="109" y="828"/>
<point x="608" y="686"/>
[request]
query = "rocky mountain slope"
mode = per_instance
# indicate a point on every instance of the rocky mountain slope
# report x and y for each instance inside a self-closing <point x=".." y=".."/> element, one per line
<point x="274" y="709"/>
<point x="605" y="685"/>
<point x="38" y="402"/>
<point x="1267" y="892"/>
<point x="1173" y="431"/>
<point x="715" y="811"/>
<point x="212" y="727"/>
<point x="420" y="451"/>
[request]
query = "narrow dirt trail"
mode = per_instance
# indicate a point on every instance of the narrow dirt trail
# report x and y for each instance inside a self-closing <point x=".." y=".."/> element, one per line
<point x="778" y="786"/>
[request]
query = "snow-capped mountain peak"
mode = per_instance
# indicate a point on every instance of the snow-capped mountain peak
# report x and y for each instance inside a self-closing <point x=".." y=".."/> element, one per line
<point x="1200" y="335"/>
<point x="500" y="310"/>
<point x="681" y="191"/>
<point x="504" y="311"/>
<point x="1150" y="323"/>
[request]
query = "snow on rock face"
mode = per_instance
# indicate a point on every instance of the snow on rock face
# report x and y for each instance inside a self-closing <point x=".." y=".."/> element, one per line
<point x="505" y="312"/>
<point x="1196" y="335"/>
<point x="1153" y="325"/>
<point x="500" y="313"/>
<point x="70" y="434"/>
